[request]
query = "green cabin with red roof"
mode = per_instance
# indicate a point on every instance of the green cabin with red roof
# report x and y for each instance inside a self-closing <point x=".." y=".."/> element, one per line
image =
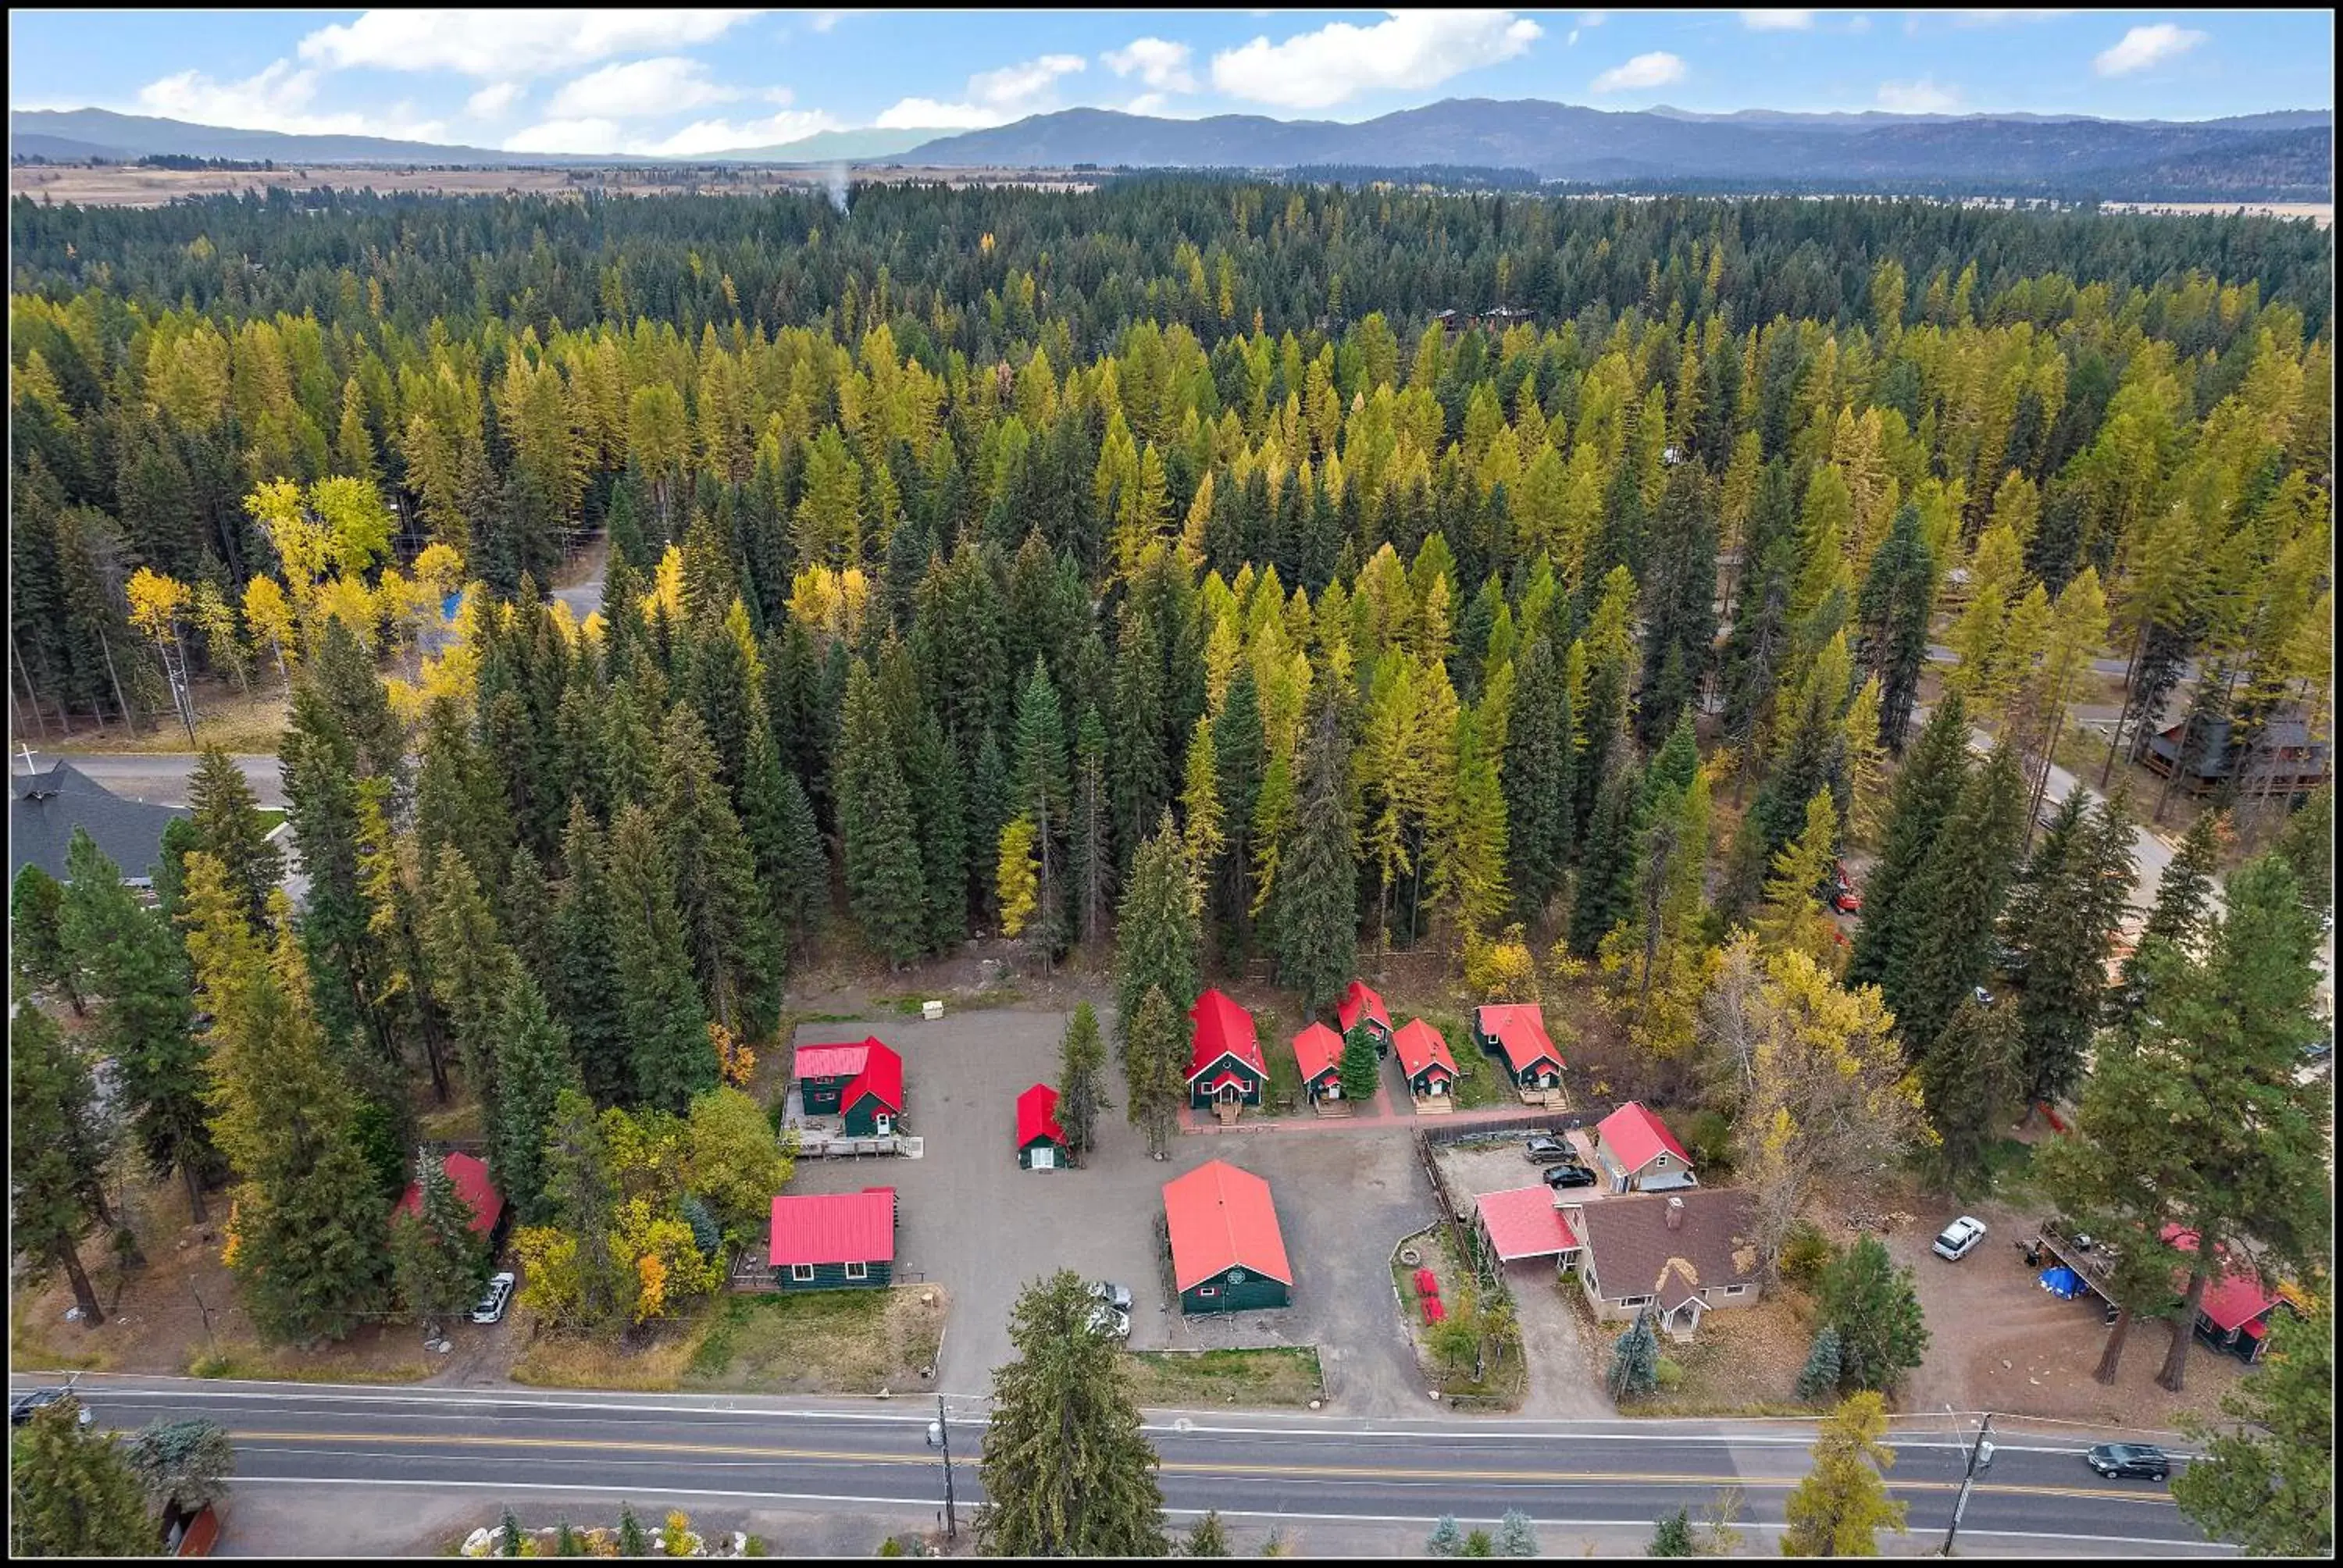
<point x="1516" y="1031"/>
<point x="1423" y="1058"/>
<point x="1318" y="1052"/>
<point x="1227" y="1252"/>
<point x="1040" y="1141"/>
<point x="1225" y="1065"/>
<point x="832" y="1240"/>
<point x="1362" y="1008"/>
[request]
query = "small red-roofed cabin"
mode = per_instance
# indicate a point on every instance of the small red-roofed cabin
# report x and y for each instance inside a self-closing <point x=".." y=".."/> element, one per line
<point x="833" y="1240"/>
<point x="1227" y="1252"/>
<point x="1516" y="1030"/>
<point x="1224" y="1060"/>
<point x="2234" y="1313"/>
<point x="823" y="1072"/>
<point x="1362" y="1008"/>
<point x="1040" y="1141"/>
<point x="469" y="1176"/>
<point x="1424" y="1060"/>
<point x="1318" y="1051"/>
<point x="1638" y="1152"/>
<point x="873" y="1102"/>
<point x="1524" y="1223"/>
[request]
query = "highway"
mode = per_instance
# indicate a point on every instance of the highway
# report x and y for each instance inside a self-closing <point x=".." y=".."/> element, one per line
<point x="844" y="1456"/>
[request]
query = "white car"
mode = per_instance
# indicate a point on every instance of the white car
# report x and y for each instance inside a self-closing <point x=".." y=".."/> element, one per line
<point x="1113" y="1295"/>
<point x="1105" y="1320"/>
<point x="491" y="1306"/>
<point x="1959" y="1237"/>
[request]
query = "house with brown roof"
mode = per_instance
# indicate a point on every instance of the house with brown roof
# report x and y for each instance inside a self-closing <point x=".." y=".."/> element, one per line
<point x="1677" y="1253"/>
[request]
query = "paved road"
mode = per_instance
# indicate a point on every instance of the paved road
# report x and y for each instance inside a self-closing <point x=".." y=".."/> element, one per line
<point x="161" y="777"/>
<point x="866" y="1455"/>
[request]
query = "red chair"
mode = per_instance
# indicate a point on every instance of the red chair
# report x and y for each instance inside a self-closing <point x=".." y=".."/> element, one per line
<point x="1433" y="1311"/>
<point x="1426" y="1283"/>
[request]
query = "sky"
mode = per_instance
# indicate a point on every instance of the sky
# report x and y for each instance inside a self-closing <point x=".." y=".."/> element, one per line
<point x="685" y="83"/>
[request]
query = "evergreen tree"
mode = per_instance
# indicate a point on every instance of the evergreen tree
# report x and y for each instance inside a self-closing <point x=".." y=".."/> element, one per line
<point x="1636" y="1359"/>
<point x="1206" y="1538"/>
<point x="1156" y="943"/>
<point x="1679" y="591"/>
<point x="438" y="1264"/>
<point x="792" y="871"/>
<point x="72" y="1491"/>
<point x="1926" y="790"/>
<point x="1837" y="1510"/>
<point x="658" y="1003"/>
<point x="1081" y="1080"/>
<point x="2059" y="930"/>
<point x="1872" y="1304"/>
<point x="883" y="883"/>
<point x="533" y="1069"/>
<point x="632" y="1541"/>
<point x="1672" y="1537"/>
<point x="1447" y="1538"/>
<point x="1239" y="762"/>
<point x="50" y="1092"/>
<point x="1314" y="920"/>
<point x="1360" y="1069"/>
<point x="472" y="969"/>
<point x="584" y="991"/>
<point x="2184" y="904"/>
<point x="227" y="824"/>
<point x="1819" y="1378"/>
<point x="1945" y="940"/>
<point x="2308" y="843"/>
<point x="734" y="946"/>
<point x="1155" y="1086"/>
<point x="1094" y="858"/>
<point x="1539" y="782"/>
<point x="1893" y="610"/>
<point x="2267" y="1482"/>
<point x="37" y="944"/>
<point x="1600" y="897"/>
<point x="1067" y="1470"/>
<point x="1516" y="1536"/>
<point x="1041" y="792"/>
<point x="1971" y="1078"/>
<point x="183" y="1463"/>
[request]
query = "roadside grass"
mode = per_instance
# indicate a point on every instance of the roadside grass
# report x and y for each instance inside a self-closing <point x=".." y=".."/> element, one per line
<point x="230" y="718"/>
<point x="251" y="1363"/>
<point x="1283" y="1095"/>
<point x="567" y="1361"/>
<point x="268" y="817"/>
<point x="822" y="1342"/>
<point x="31" y="1350"/>
<point x="1279" y="1375"/>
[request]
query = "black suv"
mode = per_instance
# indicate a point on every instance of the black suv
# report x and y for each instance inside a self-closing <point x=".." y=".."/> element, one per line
<point x="24" y="1406"/>
<point x="1559" y="1176"/>
<point x="2132" y="1459"/>
<point x="1549" y="1151"/>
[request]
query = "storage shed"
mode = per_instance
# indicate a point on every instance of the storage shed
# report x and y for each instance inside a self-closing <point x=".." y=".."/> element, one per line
<point x="1040" y="1141"/>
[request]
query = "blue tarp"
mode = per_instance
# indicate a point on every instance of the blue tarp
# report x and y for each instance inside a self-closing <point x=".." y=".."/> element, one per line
<point x="2063" y="1283"/>
<point x="450" y="605"/>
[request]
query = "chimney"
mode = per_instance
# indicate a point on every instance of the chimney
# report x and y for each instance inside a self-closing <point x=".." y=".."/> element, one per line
<point x="1675" y="1213"/>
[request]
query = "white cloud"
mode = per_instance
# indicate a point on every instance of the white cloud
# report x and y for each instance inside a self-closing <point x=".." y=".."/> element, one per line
<point x="1409" y="49"/>
<point x="666" y="84"/>
<point x="491" y="101"/>
<point x="2145" y="46"/>
<point x="594" y="136"/>
<point x="994" y="97"/>
<point x="277" y="99"/>
<point x="1656" y="69"/>
<point x="1594" y="18"/>
<point x="1778" y="21"/>
<point x="1159" y="63"/>
<point x="704" y="137"/>
<point x="1146" y="104"/>
<point x="1920" y="97"/>
<point x="824" y="21"/>
<point x="494" y="44"/>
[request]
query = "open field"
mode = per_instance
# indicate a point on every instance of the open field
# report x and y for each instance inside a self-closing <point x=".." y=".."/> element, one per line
<point x="115" y="185"/>
<point x="826" y="1342"/>
<point x="1181" y="1379"/>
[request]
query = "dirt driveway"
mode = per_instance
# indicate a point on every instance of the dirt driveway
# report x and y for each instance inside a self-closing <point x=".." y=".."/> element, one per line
<point x="974" y="1220"/>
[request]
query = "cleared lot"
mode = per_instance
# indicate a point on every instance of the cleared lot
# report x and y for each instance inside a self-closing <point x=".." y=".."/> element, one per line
<point x="983" y="1228"/>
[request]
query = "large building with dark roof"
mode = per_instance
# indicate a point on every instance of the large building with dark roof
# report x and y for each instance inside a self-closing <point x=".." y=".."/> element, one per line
<point x="45" y="808"/>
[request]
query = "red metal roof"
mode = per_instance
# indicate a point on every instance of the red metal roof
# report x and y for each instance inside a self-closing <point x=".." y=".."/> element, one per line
<point x="1419" y="1045"/>
<point x="1362" y="998"/>
<point x="1222" y="1028"/>
<point x="833" y="1228"/>
<point x="1524" y="1223"/>
<point x="882" y="1075"/>
<point x="2233" y="1297"/>
<point x="839" y="1058"/>
<point x="1037" y="1116"/>
<point x="1634" y="1137"/>
<point x="1520" y="1028"/>
<point x="1222" y="1218"/>
<point x="470" y="1177"/>
<point x="1318" y="1050"/>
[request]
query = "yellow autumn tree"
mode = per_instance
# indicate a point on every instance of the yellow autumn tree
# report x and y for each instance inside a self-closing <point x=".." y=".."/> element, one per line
<point x="1016" y="881"/>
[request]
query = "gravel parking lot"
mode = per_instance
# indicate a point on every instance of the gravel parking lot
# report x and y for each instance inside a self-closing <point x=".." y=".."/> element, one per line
<point x="984" y="1228"/>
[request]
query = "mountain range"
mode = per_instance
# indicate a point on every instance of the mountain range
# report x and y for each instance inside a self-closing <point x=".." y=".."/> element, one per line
<point x="2285" y="155"/>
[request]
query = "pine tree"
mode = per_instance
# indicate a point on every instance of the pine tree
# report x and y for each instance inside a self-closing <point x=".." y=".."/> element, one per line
<point x="1206" y="1538"/>
<point x="1636" y="1359"/>
<point x="1067" y="1470"/>
<point x="1600" y="897"/>
<point x="584" y="991"/>
<point x="1789" y="917"/>
<point x="1539" y="781"/>
<point x="875" y="825"/>
<point x="37" y="944"/>
<point x="438" y="1264"/>
<point x="1155" y="1087"/>
<point x="1819" y="1378"/>
<point x="533" y="1069"/>
<point x="658" y="1003"/>
<point x="1970" y="1078"/>
<point x="1671" y="1536"/>
<point x="1094" y="856"/>
<point x="50" y="1091"/>
<point x="777" y="818"/>
<point x="1314" y="921"/>
<point x="1240" y="765"/>
<point x="1081" y="1080"/>
<point x="2184" y="903"/>
<point x="1361" y="1068"/>
<point x="183" y="1463"/>
<point x="632" y="1541"/>
<point x="2267" y="1482"/>
<point x="1017" y="882"/>
<point x="1926" y="793"/>
<point x="1039" y="791"/>
<point x="1517" y="1535"/>
<point x="227" y="824"/>
<point x="735" y="948"/>
<point x="471" y="968"/>
<point x="1897" y="595"/>
<point x="1156" y="943"/>
<point x="72" y="1491"/>
<point x="1944" y="944"/>
<point x="1447" y="1538"/>
<point x="1872" y="1304"/>
<point x="1837" y="1510"/>
<point x="2060" y="929"/>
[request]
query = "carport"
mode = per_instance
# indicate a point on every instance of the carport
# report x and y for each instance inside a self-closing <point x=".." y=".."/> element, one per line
<point x="1523" y="1223"/>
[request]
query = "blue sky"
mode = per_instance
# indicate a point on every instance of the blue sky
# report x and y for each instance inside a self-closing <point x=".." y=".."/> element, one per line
<point x="689" y="82"/>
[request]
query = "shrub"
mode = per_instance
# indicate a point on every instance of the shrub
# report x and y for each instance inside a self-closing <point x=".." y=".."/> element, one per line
<point x="890" y="1547"/>
<point x="1819" y="1380"/>
<point x="1667" y="1374"/>
<point x="1805" y="1254"/>
<point x="1709" y="1137"/>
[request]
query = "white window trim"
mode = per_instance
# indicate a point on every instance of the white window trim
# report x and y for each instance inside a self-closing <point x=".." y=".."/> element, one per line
<point x="800" y="1271"/>
<point x="857" y="1271"/>
<point x="1635" y="1301"/>
<point x="1207" y="1290"/>
<point x="1735" y="1290"/>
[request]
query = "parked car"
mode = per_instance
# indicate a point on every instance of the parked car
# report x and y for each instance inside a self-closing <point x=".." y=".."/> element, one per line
<point x="491" y="1306"/>
<point x="1113" y="1295"/>
<point x="1959" y="1237"/>
<point x="30" y="1403"/>
<point x="1844" y="898"/>
<point x="2132" y="1459"/>
<point x="1549" y="1151"/>
<point x="1568" y="1176"/>
<point x="1105" y="1320"/>
<point x="1984" y="996"/>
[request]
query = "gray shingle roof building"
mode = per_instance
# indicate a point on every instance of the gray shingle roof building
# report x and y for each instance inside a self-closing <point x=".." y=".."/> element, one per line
<point x="45" y="808"/>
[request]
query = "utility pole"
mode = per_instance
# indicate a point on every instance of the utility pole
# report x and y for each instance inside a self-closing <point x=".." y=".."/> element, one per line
<point x="1968" y="1479"/>
<point x="939" y="1436"/>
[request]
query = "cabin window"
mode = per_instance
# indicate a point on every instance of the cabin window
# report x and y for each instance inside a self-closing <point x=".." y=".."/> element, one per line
<point x="1660" y="1160"/>
<point x="1736" y="1289"/>
<point x="1206" y="1290"/>
<point x="857" y="1271"/>
<point x="801" y="1272"/>
<point x="1635" y="1300"/>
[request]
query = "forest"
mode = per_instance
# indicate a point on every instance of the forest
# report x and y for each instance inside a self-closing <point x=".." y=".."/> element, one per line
<point x="1148" y="571"/>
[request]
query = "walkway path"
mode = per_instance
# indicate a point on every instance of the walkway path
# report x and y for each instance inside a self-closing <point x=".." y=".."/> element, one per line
<point x="1193" y="1121"/>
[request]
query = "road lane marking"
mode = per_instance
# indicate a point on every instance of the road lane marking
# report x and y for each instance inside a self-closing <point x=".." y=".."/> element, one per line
<point x="1175" y="1467"/>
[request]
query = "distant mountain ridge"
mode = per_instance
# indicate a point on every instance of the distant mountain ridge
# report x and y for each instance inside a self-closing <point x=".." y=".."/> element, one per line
<point x="2283" y="155"/>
